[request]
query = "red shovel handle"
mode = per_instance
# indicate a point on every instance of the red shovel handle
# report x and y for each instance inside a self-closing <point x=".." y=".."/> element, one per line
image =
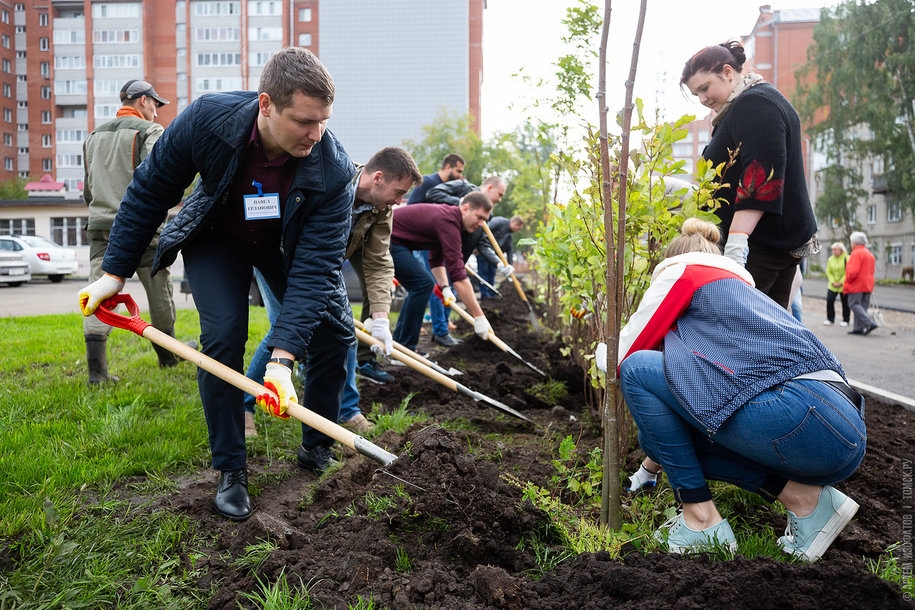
<point x="134" y="323"/>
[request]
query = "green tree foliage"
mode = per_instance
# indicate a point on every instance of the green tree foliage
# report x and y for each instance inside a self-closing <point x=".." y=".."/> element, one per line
<point x="13" y="189"/>
<point x="858" y="93"/>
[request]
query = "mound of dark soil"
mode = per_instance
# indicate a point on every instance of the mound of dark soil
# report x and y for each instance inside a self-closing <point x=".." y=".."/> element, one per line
<point x="442" y="528"/>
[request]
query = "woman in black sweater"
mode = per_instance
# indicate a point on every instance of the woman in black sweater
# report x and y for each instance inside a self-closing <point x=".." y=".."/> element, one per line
<point x="768" y="221"/>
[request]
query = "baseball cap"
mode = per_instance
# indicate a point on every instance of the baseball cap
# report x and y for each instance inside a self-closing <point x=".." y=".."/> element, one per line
<point x="134" y="89"/>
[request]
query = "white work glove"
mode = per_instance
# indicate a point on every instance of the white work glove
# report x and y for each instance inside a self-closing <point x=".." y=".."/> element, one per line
<point x="380" y="328"/>
<point x="505" y="270"/>
<point x="642" y="479"/>
<point x="600" y="357"/>
<point x="482" y="327"/>
<point x="103" y="288"/>
<point x="448" y="296"/>
<point x="277" y="379"/>
<point x="737" y="248"/>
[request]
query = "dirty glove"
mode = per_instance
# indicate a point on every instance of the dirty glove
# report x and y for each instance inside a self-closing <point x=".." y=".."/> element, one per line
<point x="448" y="296"/>
<point x="380" y="328"/>
<point x="277" y="379"/>
<point x="103" y="288"/>
<point x="505" y="270"/>
<point x="641" y="480"/>
<point x="737" y="248"/>
<point x="600" y="357"/>
<point x="482" y="327"/>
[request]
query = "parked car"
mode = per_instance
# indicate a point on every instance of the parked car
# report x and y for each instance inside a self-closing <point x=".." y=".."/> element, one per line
<point x="14" y="270"/>
<point x="43" y="255"/>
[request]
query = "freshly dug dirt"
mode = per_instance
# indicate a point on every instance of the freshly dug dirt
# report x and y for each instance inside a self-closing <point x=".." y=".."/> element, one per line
<point x="466" y="533"/>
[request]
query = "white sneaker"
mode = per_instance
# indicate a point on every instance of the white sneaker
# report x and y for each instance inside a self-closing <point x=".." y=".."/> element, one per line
<point x="827" y="323"/>
<point x="843" y="323"/>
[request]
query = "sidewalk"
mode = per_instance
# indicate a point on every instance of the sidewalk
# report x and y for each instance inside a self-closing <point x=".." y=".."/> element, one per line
<point x="879" y="363"/>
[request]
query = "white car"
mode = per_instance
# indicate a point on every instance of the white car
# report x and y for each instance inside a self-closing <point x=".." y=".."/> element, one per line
<point x="14" y="270"/>
<point x="43" y="256"/>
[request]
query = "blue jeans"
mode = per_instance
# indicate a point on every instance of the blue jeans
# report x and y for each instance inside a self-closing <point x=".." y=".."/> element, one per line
<point x="487" y="271"/>
<point x="437" y="310"/>
<point x="349" y="405"/>
<point x="801" y="430"/>
<point x="417" y="281"/>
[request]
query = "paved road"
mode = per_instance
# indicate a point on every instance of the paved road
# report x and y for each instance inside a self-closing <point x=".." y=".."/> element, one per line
<point x="40" y="297"/>
<point x="883" y="359"/>
<point x="897" y="297"/>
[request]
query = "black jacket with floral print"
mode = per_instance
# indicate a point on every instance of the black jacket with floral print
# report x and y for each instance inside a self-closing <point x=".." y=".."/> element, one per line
<point x="769" y="172"/>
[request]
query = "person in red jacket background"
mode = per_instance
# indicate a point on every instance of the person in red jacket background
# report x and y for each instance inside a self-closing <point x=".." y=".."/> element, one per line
<point x="859" y="283"/>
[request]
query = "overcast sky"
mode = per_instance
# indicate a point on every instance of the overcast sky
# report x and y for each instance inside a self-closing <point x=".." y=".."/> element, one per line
<point x="524" y="36"/>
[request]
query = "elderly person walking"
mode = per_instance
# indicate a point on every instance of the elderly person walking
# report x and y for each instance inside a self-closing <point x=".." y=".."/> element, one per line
<point x="859" y="283"/>
<point x="835" y="283"/>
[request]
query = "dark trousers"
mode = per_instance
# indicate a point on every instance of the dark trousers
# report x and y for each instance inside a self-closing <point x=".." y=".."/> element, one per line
<point x="487" y="271"/>
<point x="418" y="282"/>
<point x="831" y="306"/>
<point x="773" y="273"/>
<point x="219" y="271"/>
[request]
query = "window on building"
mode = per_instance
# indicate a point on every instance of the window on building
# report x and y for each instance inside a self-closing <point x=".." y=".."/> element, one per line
<point x="46" y="141"/>
<point x="17" y="226"/>
<point x="204" y="85"/>
<point x="7" y="115"/>
<point x="5" y="41"/>
<point x="106" y="111"/>
<point x="305" y="40"/>
<point x="23" y="150"/>
<point x="217" y="34"/>
<point x="7" y="66"/>
<point x="259" y="58"/>
<point x="70" y="62"/>
<point x="894" y="254"/>
<point x="115" y="36"/>
<point x="71" y="87"/>
<point x="47" y="165"/>
<point x="46" y="117"/>
<point x="19" y="7"/>
<point x="22" y="127"/>
<point x="206" y="9"/>
<point x="304" y="14"/>
<point x="5" y="15"/>
<point x="22" y="104"/>
<point x="43" y="19"/>
<point x="45" y="69"/>
<point x="44" y="44"/>
<point x="67" y="136"/>
<point x="116" y="61"/>
<point x="7" y="139"/>
<point x="7" y="90"/>
<point x="219" y="59"/>
<point x="894" y="212"/>
<point x="871" y="215"/>
<point x="45" y="92"/>
<point x="8" y="163"/>
<point x="20" y="55"/>
<point x="20" y="29"/>
<point x="112" y="10"/>
<point x="263" y="8"/>
<point x="265" y="33"/>
<point x="70" y="231"/>
<point x="63" y="36"/>
<point x="69" y="160"/>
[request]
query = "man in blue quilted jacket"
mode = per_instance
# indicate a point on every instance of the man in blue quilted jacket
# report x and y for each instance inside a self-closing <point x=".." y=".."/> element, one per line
<point x="275" y="193"/>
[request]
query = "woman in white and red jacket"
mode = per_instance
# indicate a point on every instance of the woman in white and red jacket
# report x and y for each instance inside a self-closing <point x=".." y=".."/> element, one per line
<point x="725" y="384"/>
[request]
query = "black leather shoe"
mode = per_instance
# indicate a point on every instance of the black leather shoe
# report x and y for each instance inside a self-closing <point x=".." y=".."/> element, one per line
<point x="232" y="499"/>
<point x="446" y="340"/>
<point x="867" y="329"/>
<point x="317" y="459"/>
<point x="856" y="332"/>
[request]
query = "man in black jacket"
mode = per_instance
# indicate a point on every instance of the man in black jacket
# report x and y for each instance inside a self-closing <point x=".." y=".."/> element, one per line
<point x="488" y="261"/>
<point x="276" y="193"/>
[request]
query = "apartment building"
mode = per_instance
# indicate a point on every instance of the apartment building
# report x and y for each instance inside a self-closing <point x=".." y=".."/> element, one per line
<point x="776" y="47"/>
<point x="396" y="64"/>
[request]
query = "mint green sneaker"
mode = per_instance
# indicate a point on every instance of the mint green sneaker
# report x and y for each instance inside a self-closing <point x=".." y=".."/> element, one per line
<point x="809" y="537"/>
<point x="683" y="539"/>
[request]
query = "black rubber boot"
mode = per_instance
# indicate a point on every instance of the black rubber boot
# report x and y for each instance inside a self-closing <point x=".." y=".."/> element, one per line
<point x="97" y="358"/>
